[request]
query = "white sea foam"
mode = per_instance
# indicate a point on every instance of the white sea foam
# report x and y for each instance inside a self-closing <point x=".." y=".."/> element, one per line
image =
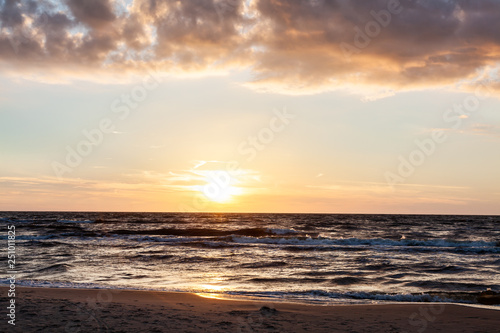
<point x="282" y="231"/>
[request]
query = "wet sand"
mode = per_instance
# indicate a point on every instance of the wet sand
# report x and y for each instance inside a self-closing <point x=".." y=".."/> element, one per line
<point x="91" y="310"/>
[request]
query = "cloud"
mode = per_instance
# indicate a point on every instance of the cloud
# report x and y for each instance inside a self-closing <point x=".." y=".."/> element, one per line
<point x="96" y="14"/>
<point x="342" y="44"/>
<point x="382" y="194"/>
<point x="487" y="130"/>
<point x="371" y="47"/>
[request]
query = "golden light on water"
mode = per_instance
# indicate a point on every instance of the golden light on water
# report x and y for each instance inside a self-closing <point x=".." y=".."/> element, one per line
<point x="210" y="295"/>
<point x="213" y="291"/>
<point x="213" y="287"/>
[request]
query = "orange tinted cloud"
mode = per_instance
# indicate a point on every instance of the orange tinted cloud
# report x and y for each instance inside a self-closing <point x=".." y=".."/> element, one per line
<point x="306" y="45"/>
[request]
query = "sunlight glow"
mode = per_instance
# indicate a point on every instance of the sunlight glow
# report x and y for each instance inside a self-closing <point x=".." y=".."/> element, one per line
<point x="213" y="287"/>
<point x="220" y="186"/>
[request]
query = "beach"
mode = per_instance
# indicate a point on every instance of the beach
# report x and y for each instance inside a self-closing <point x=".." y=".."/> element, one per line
<point x="100" y="310"/>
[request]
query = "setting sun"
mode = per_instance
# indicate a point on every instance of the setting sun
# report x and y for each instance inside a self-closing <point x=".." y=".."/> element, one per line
<point x="220" y="186"/>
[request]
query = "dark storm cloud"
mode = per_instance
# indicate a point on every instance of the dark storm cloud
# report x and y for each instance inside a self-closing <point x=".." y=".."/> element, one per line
<point x="310" y="44"/>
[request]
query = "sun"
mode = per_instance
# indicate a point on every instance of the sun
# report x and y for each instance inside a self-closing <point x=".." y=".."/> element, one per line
<point x="220" y="186"/>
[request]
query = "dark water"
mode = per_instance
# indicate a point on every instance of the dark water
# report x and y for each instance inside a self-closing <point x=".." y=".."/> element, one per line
<point x="324" y="258"/>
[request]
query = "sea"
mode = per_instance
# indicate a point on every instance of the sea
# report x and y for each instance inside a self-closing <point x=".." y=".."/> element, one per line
<point x="304" y="258"/>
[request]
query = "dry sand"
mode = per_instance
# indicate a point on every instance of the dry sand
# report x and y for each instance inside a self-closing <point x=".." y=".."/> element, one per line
<point x="90" y="310"/>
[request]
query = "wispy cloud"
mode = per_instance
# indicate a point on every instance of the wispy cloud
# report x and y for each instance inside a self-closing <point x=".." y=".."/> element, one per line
<point x="406" y="194"/>
<point x="487" y="130"/>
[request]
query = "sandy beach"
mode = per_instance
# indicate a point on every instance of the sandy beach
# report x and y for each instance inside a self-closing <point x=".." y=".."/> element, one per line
<point x="91" y="310"/>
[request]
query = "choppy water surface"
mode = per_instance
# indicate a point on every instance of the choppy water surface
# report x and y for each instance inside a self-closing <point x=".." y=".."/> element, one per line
<point x="322" y="258"/>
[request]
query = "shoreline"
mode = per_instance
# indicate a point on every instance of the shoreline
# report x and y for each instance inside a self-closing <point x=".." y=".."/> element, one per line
<point x="262" y="299"/>
<point x="117" y="310"/>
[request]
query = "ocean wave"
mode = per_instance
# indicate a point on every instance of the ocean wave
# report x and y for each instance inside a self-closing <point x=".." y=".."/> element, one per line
<point x="450" y="285"/>
<point x="56" y="268"/>
<point x="263" y="264"/>
<point x="287" y="280"/>
<point x="275" y="231"/>
<point x="294" y="242"/>
<point x="446" y="269"/>
<point x="348" y="280"/>
<point x="60" y="284"/>
<point x="433" y="243"/>
<point x="33" y="238"/>
<point x="322" y="296"/>
<point x="308" y="296"/>
<point x="75" y="221"/>
<point x="197" y="259"/>
<point x="206" y="232"/>
<point x="151" y="257"/>
<point x="42" y="243"/>
<point x="329" y="273"/>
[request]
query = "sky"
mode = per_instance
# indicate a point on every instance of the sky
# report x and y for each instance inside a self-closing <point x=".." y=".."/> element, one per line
<point x="304" y="106"/>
